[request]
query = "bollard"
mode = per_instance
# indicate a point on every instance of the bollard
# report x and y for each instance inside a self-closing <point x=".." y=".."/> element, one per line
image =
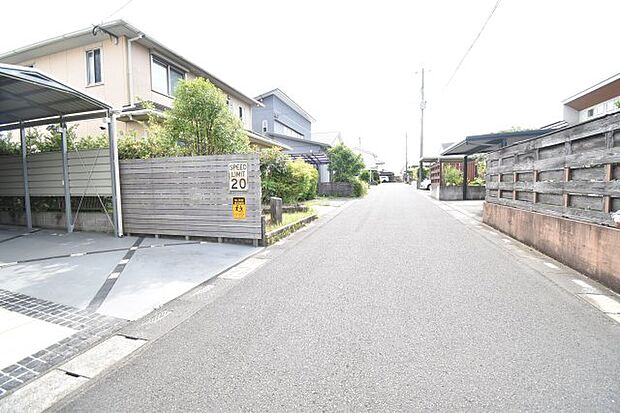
<point x="275" y="205"/>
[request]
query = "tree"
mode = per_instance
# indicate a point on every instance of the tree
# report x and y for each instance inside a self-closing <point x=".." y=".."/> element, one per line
<point x="344" y="164"/>
<point x="201" y="123"/>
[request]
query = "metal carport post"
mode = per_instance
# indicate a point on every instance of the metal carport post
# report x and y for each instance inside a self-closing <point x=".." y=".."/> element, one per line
<point x="22" y="136"/>
<point x="65" y="175"/>
<point x="115" y="175"/>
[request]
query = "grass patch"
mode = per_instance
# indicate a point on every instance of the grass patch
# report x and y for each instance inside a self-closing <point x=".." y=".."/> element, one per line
<point x="289" y="218"/>
<point x="321" y="201"/>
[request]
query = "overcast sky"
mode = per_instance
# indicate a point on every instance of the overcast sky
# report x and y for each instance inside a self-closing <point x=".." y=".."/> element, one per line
<point x="354" y="66"/>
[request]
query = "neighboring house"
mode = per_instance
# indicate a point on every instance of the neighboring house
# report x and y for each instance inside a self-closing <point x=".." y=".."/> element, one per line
<point x="280" y="115"/>
<point x="371" y="159"/>
<point x="333" y="138"/>
<point x="596" y="101"/>
<point x="281" y="119"/>
<point x="120" y="65"/>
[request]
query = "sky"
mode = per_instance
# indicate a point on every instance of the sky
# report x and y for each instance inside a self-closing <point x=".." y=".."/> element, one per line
<point x="355" y="66"/>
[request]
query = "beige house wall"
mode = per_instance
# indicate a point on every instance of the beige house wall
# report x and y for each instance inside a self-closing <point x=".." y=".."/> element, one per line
<point x="69" y="66"/>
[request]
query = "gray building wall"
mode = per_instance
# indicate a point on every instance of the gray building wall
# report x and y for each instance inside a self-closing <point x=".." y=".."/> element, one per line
<point x="259" y="114"/>
<point x="276" y="110"/>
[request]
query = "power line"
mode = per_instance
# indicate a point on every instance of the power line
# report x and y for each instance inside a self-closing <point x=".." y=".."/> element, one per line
<point x="474" y="42"/>
<point x="127" y="3"/>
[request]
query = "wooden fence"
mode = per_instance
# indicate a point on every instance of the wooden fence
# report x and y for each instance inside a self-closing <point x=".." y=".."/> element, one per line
<point x="190" y="196"/>
<point x="573" y="173"/>
<point x="89" y="174"/>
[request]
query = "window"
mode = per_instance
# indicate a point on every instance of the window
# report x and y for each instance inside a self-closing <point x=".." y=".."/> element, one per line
<point x="590" y="113"/>
<point x="241" y="112"/>
<point x="265" y="125"/>
<point x="93" y="67"/>
<point x="164" y="77"/>
<point x="285" y="130"/>
<point x="230" y="104"/>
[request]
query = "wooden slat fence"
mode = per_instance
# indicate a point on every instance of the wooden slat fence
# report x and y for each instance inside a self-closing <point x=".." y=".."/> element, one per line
<point x="89" y="174"/>
<point x="573" y="173"/>
<point x="189" y="196"/>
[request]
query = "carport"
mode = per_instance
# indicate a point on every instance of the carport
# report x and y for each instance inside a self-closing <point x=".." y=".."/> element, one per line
<point x="479" y="144"/>
<point x="31" y="98"/>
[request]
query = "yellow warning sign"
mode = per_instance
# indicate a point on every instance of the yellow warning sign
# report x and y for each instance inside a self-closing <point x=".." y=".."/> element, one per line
<point x="239" y="208"/>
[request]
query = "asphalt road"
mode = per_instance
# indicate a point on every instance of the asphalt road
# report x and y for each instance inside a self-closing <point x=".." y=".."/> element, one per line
<point x="393" y="305"/>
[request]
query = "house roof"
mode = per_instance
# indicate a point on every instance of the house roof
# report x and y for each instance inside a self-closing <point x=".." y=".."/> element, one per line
<point x="333" y="138"/>
<point x="33" y="97"/>
<point x="262" y="140"/>
<point x="284" y="97"/>
<point x="602" y="91"/>
<point x="491" y="142"/>
<point x="290" y="138"/>
<point x="116" y="28"/>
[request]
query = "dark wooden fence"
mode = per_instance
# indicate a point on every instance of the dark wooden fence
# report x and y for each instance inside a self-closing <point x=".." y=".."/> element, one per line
<point x="336" y="189"/>
<point x="189" y="196"/>
<point x="572" y="173"/>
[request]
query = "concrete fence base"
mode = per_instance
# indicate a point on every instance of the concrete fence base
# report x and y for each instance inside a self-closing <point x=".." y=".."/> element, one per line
<point x="591" y="249"/>
<point x="455" y="193"/>
<point x="86" y="221"/>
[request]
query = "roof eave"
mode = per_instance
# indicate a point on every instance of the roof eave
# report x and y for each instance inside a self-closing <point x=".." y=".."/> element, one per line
<point x="166" y="51"/>
<point x="591" y="89"/>
<point x="287" y="99"/>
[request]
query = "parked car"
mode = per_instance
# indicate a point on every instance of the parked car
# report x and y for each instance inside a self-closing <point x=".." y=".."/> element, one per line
<point x="425" y="184"/>
<point x="384" y="178"/>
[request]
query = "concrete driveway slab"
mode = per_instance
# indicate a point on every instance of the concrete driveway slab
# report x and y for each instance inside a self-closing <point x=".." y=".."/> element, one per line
<point x="72" y="281"/>
<point x="51" y="243"/>
<point x="155" y="276"/>
<point x="8" y="232"/>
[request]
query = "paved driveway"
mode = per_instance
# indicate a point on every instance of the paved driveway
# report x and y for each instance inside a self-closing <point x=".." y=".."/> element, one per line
<point x="56" y="286"/>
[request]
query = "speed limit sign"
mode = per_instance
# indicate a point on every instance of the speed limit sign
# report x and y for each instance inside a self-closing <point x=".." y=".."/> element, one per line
<point x="238" y="176"/>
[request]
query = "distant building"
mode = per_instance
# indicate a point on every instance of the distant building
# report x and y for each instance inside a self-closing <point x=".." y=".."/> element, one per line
<point x="596" y="101"/>
<point x="371" y="159"/>
<point x="281" y="116"/>
<point x="282" y="120"/>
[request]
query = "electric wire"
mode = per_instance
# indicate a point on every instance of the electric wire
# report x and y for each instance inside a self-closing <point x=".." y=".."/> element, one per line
<point x="474" y="42"/>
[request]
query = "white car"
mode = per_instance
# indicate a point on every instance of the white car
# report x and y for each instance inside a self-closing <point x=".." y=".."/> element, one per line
<point x="425" y="184"/>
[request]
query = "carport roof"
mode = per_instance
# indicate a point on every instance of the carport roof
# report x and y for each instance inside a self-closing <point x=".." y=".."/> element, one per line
<point x="30" y="96"/>
<point x="491" y="142"/>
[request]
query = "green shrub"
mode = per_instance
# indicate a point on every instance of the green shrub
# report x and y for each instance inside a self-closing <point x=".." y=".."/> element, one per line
<point x="7" y="147"/>
<point x="477" y="181"/>
<point x="360" y="188"/>
<point x="293" y="181"/>
<point x="365" y="175"/>
<point x="452" y="176"/>
<point x="304" y="179"/>
<point x="131" y="146"/>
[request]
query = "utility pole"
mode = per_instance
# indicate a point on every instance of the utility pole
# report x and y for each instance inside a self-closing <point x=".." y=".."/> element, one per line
<point x="406" y="159"/>
<point x="422" y="107"/>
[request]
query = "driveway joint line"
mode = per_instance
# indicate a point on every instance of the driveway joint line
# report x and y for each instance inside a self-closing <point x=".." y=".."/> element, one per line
<point x="108" y="284"/>
<point x="20" y="235"/>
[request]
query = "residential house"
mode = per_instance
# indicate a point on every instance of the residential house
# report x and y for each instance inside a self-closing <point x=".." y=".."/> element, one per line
<point x="121" y="65"/>
<point x="281" y="119"/>
<point x="598" y="100"/>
